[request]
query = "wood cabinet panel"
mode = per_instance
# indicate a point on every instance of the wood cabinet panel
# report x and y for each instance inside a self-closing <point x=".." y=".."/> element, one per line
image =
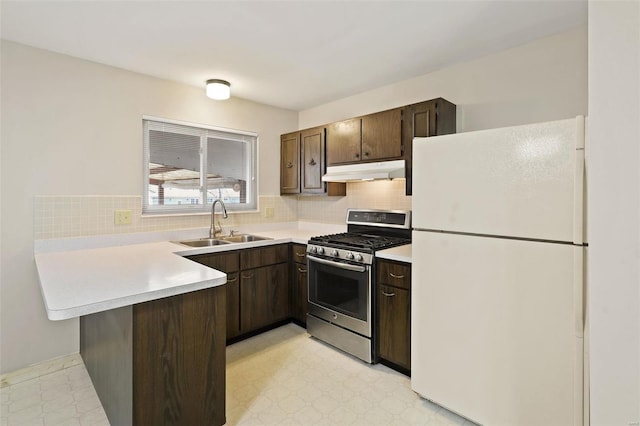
<point x="299" y="298"/>
<point x="344" y="141"/>
<point x="382" y="135"/>
<point x="261" y="256"/>
<point x="299" y="307"/>
<point x="228" y="262"/>
<point x="299" y="253"/>
<point x="313" y="153"/>
<point x="394" y="325"/>
<point x="396" y="274"/>
<point x="179" y="359"/>
<point x="425" y="119"/>
<point x="225" y="262"/>
<point x="264" y="296"/>
<point x="290" y="163"/>
<point x="233" y="305"/>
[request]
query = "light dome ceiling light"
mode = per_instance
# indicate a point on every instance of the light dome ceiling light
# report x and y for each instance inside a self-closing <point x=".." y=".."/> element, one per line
<point x="218" y="89"/>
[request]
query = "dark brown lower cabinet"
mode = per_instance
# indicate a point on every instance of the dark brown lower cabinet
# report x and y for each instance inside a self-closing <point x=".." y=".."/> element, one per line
<point x="393" y="295"/>
<point x="299" y="299"/>
<point x="394" y="325"/>
<point x="160" y="362"/>
<point x="257" y="287"/>
<point x="300" y="291"/>
<point x="264" y="296"/>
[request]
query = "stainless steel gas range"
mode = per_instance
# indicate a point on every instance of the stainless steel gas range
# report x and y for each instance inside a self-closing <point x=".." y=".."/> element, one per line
<point x="341" y="278"/>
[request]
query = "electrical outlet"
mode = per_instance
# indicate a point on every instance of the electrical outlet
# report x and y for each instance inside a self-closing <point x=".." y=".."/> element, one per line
<point x="268" y="212"/>
<point x="122" y="217"/>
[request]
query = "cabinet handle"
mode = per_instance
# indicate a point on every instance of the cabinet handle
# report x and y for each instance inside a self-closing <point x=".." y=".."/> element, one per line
<point x="366" y="154"/>
<point x="304" y="271"/>
<point x="396" y="276"/>
<point x="247" y="277"/>
<point x="289" y="165"/>
<point x="357" y="155"/>
<point x="301" y="254"/>
<point x="388" y="294"/>
<point x="312" y="162"/>
<point x="232" y="280"/>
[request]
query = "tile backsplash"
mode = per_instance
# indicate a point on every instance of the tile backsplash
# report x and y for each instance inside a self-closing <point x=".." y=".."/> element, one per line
<point x="87" y="215"/>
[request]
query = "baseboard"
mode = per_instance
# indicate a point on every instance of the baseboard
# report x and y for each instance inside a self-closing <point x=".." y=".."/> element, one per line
<point x="40" y="369"/>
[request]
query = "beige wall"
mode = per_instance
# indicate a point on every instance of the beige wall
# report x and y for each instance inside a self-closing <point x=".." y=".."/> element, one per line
<point x="73" y="127"/>
<point x="539" y="81"/>
<point x="86" y="140"/>
<point x="613" y="172"/>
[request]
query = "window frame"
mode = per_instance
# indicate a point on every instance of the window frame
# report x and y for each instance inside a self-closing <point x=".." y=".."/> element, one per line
<point x="204" y="207"/>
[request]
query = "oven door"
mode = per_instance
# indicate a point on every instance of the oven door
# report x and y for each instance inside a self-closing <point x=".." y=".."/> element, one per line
<point x="340" y="293"/>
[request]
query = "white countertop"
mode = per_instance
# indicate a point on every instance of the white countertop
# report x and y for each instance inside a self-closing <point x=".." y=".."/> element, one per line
<point x="400" y="253"/>
<point x="81" y="276"/>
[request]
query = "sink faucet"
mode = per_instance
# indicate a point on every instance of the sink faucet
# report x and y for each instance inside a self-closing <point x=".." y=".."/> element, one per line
<point x="213" y="231"/>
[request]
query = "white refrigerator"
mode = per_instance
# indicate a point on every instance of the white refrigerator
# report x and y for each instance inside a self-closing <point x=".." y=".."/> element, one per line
<point x="497" y="281"/>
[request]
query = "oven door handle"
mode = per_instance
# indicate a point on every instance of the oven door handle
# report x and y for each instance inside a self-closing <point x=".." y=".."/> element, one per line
<point x="339" y="265"/>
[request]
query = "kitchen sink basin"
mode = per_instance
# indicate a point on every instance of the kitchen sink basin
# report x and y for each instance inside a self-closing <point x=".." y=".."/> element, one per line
<point x="210" y="242"/>
<point x="243" y="238"/>
<point x="203" y="242"/>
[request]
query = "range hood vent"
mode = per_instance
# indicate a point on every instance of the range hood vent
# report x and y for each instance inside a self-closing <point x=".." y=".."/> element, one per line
<point x="365" y="171"/>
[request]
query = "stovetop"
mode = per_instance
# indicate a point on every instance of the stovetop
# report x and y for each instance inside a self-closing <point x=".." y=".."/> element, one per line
<point x="367" y="243"/>
<point x="367" y="232"/>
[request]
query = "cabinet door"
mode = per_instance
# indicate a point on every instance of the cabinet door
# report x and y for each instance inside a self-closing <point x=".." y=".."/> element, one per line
<point x="264" y="296"/>
<point x="233" y="305"/>
<point x="394" y="325"/>
<point x="312" y="141"/>
<point x="300" y="291"/>
<point x="382" y="135"/>
<point x="424" y="119"/>
<point x="343" y="141"/>
<point x="290" y="163"/>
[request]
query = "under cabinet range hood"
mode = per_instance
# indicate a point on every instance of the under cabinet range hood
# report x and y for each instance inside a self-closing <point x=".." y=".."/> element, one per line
<point x="365" y="171"/>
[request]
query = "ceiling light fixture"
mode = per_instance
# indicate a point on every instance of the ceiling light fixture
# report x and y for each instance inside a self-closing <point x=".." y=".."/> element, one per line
<point x="218" y="89"/>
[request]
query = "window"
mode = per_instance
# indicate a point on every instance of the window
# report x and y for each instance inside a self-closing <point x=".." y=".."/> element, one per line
<point x="187" y="166"/>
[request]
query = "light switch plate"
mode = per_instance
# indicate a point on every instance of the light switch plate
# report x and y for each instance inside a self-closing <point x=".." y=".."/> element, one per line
<point x="122" y="217"/>
<point x="268" y="212"/>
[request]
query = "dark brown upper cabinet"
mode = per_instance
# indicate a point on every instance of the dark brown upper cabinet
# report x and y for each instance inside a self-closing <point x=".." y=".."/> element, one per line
<point x="303" y="162"/>
<point x="312" y="142"/>
<point x="424" y="119"/>
<point x="382" y="135"/>
<point x="290" y="163"/>
<point x="373" y="137"/>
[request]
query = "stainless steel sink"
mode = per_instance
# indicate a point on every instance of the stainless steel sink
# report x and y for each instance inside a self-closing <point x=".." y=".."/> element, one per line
<point x="210" y="242"/>
<point x="203" y="242"/>
<point x="243" y="238"/>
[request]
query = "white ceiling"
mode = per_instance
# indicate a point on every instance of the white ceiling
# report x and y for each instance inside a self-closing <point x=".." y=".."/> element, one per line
<point x="290" y="54"/>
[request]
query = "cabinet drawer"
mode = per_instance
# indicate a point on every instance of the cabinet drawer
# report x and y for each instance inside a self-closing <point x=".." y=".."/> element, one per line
<point x="396" y="274"/>
<point x="225" y="262"/>
<point x="262" y="256"/>
<point x="299" y="253"/>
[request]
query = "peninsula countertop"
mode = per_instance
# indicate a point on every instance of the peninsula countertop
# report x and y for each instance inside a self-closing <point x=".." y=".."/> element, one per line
<point x="87" y="275"/>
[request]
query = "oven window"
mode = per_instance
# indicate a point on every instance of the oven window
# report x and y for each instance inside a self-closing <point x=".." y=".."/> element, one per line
<point x="341" y="291"/>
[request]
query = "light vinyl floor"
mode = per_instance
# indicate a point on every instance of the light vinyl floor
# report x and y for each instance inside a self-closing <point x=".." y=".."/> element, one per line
<point x="282" y="377"/>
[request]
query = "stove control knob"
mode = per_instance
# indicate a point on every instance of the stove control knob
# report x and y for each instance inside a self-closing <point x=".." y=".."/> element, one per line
<point x="350" y="255"/>
<point x="334" y="253"/>
<point x="313" y="249"/>
<point x="359" y="257"/>
<point x="320" y="250"/>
